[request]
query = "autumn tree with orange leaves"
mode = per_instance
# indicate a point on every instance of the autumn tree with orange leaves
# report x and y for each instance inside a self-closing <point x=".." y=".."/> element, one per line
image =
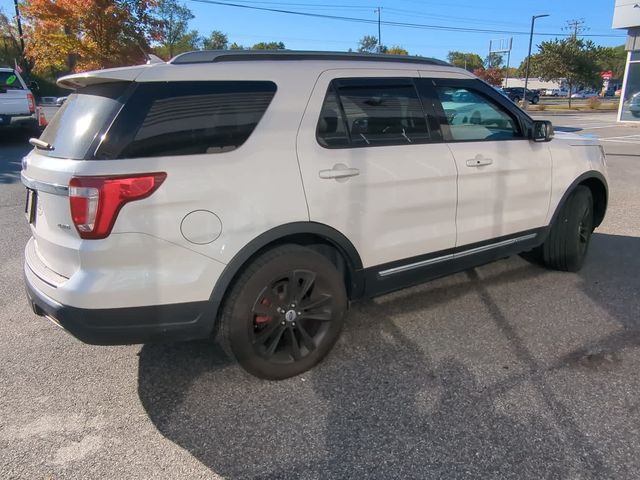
<point x="80" y="35"/>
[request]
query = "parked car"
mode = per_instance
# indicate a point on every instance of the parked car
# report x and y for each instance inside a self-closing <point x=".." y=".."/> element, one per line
<point x="634" y="105"/>
<point x="585" y="94"/>
<point x="556" y="92"/>
<point x="47" y="101"/>
<point x="517" y="93"/>
<point x="61" y="100"/>
<point x="254" y="195"/>
<point x="17" y="103"/>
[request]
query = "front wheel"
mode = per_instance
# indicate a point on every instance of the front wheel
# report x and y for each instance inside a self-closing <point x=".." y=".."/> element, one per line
<point x="284" y="313"/>
<point x="566" y="247"/>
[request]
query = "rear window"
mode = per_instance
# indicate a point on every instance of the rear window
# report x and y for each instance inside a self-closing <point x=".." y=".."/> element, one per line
<point x="10" y="81"/>
<point x="82" y="120"/>
<point x="187" y="118"/>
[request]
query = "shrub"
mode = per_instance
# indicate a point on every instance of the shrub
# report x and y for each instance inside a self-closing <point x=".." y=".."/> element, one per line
<point x="593" y="103"/>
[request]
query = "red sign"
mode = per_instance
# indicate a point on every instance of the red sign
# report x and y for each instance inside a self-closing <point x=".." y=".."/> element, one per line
<point x="608" y="75"/>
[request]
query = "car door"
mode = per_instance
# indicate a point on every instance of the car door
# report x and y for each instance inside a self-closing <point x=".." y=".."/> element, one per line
<point x="374" y="166"/>
<point x="504" y="179"/>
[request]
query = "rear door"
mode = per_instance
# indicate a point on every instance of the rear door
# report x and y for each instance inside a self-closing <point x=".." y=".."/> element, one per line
<point x="504" y="179"/>
<point x="374" y="166"/>
<point x="13" y="94"/>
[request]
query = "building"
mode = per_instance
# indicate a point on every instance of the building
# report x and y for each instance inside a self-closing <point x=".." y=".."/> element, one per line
<point x="627" y="15"/>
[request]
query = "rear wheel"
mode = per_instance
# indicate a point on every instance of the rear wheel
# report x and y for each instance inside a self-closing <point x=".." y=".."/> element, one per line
<point x="284" y="313"/>
<point x="566" y="247"/>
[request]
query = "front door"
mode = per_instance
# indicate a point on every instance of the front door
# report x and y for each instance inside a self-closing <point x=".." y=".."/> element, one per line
<point x="504" y="179"/>
<point x="374" y="166"/>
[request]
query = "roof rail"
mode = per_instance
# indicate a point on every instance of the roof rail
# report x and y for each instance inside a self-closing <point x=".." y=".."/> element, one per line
<point x="214" y="56"/>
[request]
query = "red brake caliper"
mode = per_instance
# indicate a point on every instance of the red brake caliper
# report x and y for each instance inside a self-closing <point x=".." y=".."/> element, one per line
<point x="262" y="319"/>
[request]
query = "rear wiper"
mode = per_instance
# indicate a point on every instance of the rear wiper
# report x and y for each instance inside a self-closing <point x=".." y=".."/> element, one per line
<point x="36" y="142"/>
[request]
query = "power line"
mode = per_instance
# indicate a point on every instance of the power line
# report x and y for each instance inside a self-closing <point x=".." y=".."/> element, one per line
<point x="389" y="23"/>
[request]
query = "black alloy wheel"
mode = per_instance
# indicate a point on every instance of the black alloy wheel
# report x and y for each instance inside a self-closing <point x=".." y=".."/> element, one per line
<point x="284" y="313"/>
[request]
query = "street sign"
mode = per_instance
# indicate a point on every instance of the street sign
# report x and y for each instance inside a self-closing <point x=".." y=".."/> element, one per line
<point x="608" y="75"/>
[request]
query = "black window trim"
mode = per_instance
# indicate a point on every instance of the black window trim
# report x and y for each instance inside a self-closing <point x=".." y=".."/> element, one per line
<point x="428" y="88"/>
<point x="433" y="127"/>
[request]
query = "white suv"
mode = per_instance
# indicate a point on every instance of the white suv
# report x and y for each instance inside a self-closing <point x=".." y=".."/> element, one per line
<point x="253" y="195"/>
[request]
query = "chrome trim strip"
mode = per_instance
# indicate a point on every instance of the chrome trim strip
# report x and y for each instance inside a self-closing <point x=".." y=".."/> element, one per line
<point x="432" y="261"/>
<point x="44" y="186"/>
<point x="491" y="246"/>
<point x="411" y="266"/>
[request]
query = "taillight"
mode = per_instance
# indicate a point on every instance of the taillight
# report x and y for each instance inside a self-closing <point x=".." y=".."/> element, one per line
<point x="32" y="102"/>
<point x="96" y="201"/>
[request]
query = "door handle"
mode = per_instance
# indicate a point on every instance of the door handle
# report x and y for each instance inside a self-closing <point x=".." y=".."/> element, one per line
<point x="479" y="161"/>
<point x="339" y="171"/>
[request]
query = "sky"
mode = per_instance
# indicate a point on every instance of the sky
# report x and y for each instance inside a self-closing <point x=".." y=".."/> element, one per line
<point x="248" y="26"/>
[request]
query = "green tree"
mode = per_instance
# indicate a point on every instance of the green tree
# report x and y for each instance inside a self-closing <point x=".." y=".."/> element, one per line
<point x="369" y="44"/>
<point x="571" y="59"/>
<point x="397" y="50"/>
<point x="494" y="60"/>
<point x="174" y="23"/>
<point x="268" y="46"/>
<point x="614" y="59"/>
<point x="235" y="46"/>
<point x="9" y="41"/>
<point x="216" y="41"/>
<point x="468" y="61"/>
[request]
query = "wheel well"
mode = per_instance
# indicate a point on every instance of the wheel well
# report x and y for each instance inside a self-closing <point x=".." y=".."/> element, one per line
<point x="599" y="193"/>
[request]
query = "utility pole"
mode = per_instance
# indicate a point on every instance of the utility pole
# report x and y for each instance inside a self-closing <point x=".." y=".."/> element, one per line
<point x="379" y="10"/>
<point x="526" y="75"/>
<point x="19" y="22"/>
<point x="576" y="26"/>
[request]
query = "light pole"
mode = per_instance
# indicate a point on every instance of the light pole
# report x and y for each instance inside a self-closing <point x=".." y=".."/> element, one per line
<point x="526" y="75"/>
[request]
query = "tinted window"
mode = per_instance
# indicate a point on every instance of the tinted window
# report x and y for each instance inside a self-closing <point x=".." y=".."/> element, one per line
<point x="332" y="131"/>
<point x="9" y="81"/>
<point x="84" y="116"/>
<point x="472" y="116"/>
<point x="376" y="112"/>
<point x="185" y="118"/>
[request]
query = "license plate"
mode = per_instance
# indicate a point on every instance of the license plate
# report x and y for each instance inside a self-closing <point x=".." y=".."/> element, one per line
<point x="31" y="206"/>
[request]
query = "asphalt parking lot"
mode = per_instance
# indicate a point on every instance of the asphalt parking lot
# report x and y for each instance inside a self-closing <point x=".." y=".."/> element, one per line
<point x="504" y="371"/>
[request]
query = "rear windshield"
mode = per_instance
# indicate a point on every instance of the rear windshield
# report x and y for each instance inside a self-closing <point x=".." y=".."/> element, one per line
<point x="83" y="119"/>
<point x="9" y="81"/>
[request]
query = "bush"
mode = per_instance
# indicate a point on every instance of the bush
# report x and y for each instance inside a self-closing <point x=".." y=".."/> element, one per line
<point x="593" y="103"/>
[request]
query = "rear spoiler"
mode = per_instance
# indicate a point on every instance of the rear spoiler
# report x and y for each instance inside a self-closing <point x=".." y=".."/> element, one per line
<point x="79" y="80"/>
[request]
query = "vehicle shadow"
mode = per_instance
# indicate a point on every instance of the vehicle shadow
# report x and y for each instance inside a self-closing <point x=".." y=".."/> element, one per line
<point x="13" y="146"/>
<point x="567" y="129"/>
<point x="379" y="406"/>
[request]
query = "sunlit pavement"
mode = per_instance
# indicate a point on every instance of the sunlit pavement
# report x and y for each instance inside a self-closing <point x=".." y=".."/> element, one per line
<point x="504" y="371"/>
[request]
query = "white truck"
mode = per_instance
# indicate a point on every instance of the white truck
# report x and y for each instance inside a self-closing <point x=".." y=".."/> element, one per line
<point x="17" y="103"/>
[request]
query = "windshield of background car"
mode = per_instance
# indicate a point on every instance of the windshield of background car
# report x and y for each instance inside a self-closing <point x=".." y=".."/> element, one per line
<point x="9" y="81"/>
<point x="86" y="114"/>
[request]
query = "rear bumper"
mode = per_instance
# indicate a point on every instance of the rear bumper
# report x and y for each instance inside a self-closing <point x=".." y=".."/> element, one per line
<point x="123" y="326"/>
<point x="29" y="121"/>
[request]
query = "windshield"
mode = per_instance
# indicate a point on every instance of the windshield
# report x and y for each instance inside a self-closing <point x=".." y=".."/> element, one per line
<point x="82" y="118"/>
<point x="9" y="81"/>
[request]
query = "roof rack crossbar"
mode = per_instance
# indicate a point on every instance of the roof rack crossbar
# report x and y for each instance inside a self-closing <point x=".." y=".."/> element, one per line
<point x="216" y="56"/>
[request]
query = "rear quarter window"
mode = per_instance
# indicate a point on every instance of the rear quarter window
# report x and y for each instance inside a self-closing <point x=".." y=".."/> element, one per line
<point x="187" y="118"/>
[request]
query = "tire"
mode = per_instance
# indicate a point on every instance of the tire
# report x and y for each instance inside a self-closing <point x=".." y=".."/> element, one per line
<point x="566" y="247"/>
<point x="535" y="100"/>
<point x="284" y="313"/>
<point x="516" y="99"/>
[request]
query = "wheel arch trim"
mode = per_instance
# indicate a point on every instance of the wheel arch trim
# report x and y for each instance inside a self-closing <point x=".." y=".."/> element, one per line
<point x="589" y="175"/>
<point x="279" y="233"/>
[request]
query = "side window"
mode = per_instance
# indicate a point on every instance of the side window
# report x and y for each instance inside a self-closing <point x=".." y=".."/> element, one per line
<point x="473" y="116"/>
<point x="186" y="118"/>
<point x="374" y="112"/>
<point x="9" y="80"/>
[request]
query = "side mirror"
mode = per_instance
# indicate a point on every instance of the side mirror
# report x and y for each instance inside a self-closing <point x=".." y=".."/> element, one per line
<point x="542" y="131"/>
<point x="33" y="86"/>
